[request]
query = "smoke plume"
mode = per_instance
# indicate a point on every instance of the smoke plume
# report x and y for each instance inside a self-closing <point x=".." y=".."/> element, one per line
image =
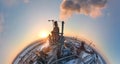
<point x="87" y="7"/>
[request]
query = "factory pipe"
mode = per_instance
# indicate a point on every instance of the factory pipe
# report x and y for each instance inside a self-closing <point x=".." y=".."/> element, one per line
<point x="62" y="28"/>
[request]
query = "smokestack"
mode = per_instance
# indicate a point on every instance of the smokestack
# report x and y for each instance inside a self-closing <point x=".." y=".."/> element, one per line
<point x="62" y="28"/>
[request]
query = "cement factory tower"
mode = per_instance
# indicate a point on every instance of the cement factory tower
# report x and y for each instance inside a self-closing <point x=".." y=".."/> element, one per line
<point x="59" y="49"/>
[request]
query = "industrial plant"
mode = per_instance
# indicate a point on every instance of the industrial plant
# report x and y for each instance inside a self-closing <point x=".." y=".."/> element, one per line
<point x="59" y="49"/>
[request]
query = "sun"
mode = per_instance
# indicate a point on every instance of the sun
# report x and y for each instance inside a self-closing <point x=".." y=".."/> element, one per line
<point x="43" y="34"/>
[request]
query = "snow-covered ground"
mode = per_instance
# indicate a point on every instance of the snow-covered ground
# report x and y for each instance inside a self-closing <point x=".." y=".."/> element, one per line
<point x="72" y="52"/>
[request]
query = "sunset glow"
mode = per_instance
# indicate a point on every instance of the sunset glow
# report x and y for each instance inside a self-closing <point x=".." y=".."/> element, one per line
<point x="43" y="34"/>
<point x="23" y="22"/>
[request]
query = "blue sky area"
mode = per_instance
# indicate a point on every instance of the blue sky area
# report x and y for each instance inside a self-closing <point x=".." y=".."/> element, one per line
<point x="21" y="21"/>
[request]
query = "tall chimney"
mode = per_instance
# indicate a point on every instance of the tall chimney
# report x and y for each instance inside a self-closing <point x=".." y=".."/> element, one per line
<point x="62" y="28"/>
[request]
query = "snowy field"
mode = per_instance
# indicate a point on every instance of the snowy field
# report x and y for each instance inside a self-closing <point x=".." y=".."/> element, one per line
<point x="73" y="51"/>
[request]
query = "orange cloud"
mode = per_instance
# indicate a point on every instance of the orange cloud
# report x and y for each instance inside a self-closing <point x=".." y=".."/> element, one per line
<point x="87" y="7"/>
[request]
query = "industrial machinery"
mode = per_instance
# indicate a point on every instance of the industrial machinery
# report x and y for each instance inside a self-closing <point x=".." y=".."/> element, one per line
<point x="59" y="49"/>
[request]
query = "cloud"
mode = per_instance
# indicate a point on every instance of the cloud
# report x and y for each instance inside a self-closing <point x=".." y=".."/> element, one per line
<point x="10" y="2"/>
<point x="26" y="1"/>
<point x="1" y="22"/>
<point x="14" y="2"/>
<point x="87" y="7"/>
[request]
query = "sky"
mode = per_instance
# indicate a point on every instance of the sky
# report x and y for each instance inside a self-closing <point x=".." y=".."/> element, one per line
<point x="21" y="21"/>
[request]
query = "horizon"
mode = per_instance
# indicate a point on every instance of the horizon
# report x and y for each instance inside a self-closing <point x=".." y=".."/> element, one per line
<point x="22" y="21"/>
